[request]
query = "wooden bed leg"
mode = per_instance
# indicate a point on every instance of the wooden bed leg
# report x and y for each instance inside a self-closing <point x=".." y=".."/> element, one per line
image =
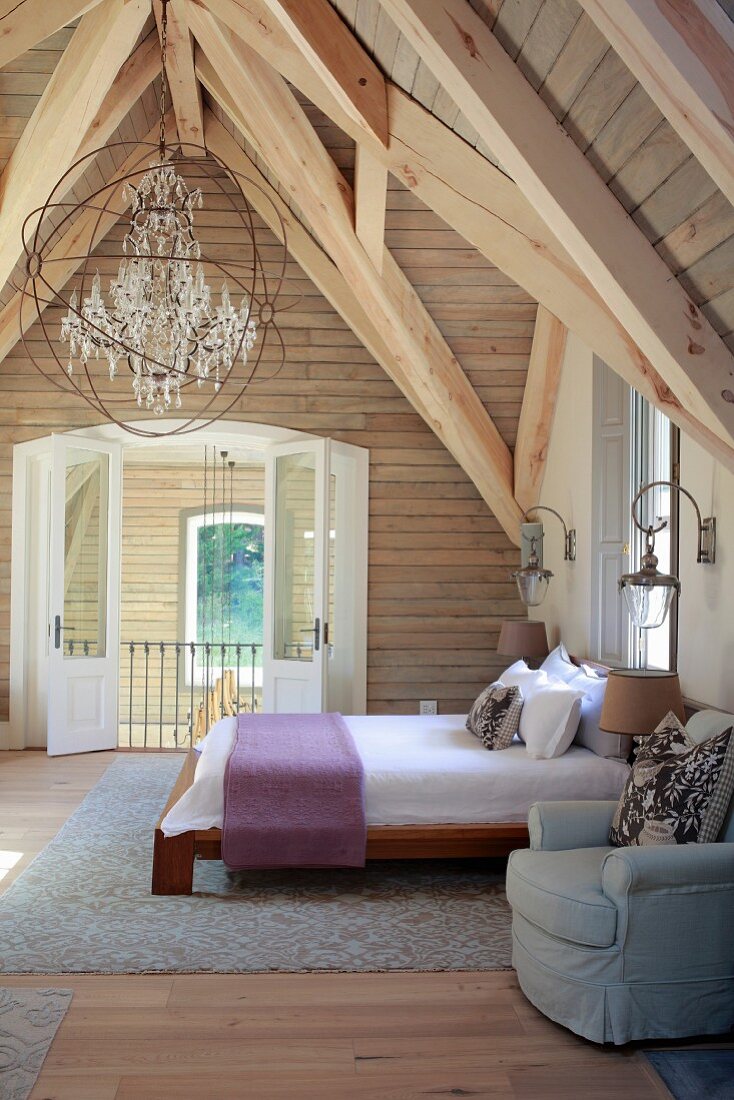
<point x="173" y="863"/>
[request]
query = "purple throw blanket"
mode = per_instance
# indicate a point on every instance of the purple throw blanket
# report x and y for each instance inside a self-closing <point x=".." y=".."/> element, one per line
<point x="293" y="794"/>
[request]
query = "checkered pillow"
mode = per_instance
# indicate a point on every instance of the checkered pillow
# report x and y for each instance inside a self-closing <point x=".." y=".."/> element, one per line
<point x="495" y="715"/>
<point x="678" y="791"/>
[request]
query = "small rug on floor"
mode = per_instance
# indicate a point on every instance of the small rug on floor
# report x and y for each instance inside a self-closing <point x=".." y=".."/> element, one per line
<point x="29" y="1019"/>
<point x="84" y="905"/>
<point x="693" y="1074"/>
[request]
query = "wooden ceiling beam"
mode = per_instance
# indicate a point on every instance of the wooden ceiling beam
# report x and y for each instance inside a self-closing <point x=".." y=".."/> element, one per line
<point x="682" y="52"/>
<point x="23" y="25"/>
<point x="370" y="198"/>
<point x="137" y="74"/>
<point x="481" y="203"/>
<point x="316" y="32"/>
<point x="182" y="80"/>
<point x="63" y="259"/>
<point x="302" y="246"/>
<point x="48" y="146"/>
<point x="584" y="215"/>
<point x="538" y="407"/>
<point x="422" y="363"/>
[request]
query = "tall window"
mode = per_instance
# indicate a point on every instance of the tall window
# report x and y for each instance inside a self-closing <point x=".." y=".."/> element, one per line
<point x="655" y="445"/>
<point x="224" y="588"/>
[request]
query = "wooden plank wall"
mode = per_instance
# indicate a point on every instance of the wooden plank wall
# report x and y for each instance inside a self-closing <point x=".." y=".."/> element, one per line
<point x="439" y="562"/>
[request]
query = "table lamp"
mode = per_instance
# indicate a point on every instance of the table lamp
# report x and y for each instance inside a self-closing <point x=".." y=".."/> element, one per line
<point x="636" y="700"/>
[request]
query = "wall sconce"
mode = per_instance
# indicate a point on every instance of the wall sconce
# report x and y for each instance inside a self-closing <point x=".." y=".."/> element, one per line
<point x="532" y="581"/>
<point x="647" y="592"/>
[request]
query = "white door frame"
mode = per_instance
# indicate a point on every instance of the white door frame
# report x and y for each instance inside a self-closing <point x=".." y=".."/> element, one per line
<point x="13" y="734"/>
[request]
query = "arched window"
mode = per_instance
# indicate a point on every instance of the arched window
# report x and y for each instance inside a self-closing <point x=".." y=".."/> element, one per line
<point x="223" y="601"/>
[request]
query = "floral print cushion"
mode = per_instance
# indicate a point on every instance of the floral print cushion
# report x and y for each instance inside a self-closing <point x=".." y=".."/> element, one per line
<point x="495" y="716"/>
<point x="678" y="791"/>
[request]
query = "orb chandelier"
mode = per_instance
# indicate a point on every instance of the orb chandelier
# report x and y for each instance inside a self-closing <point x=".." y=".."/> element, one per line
<point x="182" y="344"/>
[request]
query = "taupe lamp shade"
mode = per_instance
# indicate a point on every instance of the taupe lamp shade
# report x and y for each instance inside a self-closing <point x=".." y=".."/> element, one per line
<point x="636" y="700"/>
<point x="523" y="638"/>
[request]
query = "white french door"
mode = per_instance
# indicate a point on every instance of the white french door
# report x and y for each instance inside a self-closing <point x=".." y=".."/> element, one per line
<point x="316" y="519"/>
<point x="296" y="577"/>
<point x="84" y="581"/>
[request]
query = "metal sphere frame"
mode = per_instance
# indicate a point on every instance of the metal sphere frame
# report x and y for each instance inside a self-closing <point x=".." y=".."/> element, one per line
<point x="44" y="228"/>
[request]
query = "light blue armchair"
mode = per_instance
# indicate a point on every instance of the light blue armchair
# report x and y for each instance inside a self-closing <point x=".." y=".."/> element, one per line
<point x="623" y="943"/>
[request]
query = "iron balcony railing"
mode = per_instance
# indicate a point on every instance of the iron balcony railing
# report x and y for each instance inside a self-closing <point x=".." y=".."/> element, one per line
<point x="174" y="692"/>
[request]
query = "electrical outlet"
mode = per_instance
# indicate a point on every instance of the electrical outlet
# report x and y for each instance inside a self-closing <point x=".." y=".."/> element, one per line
<point x="428" y="706"/>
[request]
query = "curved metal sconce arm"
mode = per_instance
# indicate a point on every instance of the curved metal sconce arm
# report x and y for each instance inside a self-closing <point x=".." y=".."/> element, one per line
<point x="569" y="536"/>
<point x="706" y="554"/>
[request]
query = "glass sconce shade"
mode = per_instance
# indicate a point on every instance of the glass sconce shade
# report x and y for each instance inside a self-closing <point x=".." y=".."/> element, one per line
<point x="532" y="584"/>
<point x="648" y="602"/>
<point x="532" y="581"/>
<point x="648" y="593"/>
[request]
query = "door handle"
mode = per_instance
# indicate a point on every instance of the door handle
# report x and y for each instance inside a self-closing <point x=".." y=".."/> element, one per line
<point x="316" y="631"/>
<point x="58" y="627"/>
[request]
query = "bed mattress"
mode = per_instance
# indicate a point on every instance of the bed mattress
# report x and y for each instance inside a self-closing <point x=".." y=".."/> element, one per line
<point x="422" y="770"/>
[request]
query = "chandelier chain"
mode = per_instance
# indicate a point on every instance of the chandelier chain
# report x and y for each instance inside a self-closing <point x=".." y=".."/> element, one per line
<point x="164" y="44"/>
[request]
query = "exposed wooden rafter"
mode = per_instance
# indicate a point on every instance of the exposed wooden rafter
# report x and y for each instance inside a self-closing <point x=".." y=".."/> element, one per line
<point x="99" y="47"/>
<point x="491" y="213"/>
<point x="481" y="203"/>
<point x="538" y="407"/>
<point x="370" y="197"/>
<point x="138" y="72"/>
<point x="307" y="253"/>
<point x="440" y="390"/>
<point x="682" y="52"/>
<point x="184" y="86"/>
<point x="326" y="44"/>
<point x="255" y="22"/>
<point x="63" y="259"/>
<point x="26" y="23"/>
<point x="565" y="189"/>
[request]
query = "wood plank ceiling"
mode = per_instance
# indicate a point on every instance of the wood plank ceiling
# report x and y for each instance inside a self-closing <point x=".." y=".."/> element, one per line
<point x="610" y="117"/>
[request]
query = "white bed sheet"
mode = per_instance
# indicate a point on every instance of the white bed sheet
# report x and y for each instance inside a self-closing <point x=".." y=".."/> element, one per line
<point x="422" y="770"/>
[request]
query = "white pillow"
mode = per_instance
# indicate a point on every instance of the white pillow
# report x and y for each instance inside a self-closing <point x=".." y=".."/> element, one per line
<point x="551" y="712"/>
<point x="549" y="720"/>
<point x="558" y="663"/>
<point x="527" y="679"/>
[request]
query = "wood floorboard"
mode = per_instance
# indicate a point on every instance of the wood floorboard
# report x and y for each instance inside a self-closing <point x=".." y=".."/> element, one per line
<point x="302" y="1036"/>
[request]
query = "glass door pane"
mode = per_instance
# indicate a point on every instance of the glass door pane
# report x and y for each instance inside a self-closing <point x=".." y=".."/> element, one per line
<point x="84" y="620"/>
<point x="295" y="564"/>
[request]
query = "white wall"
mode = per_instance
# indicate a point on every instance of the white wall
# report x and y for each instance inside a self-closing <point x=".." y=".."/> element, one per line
<point x="567" y="487"/>
<point x="706" y="614"/>
<point x="706" y="610"/>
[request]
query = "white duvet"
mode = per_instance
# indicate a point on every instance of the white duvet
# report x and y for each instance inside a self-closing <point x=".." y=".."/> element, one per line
<point x="422" y="770"/>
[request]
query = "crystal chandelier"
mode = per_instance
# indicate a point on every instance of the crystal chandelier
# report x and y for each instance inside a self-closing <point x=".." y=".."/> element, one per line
<point x="160" y="318"/>
<point x="162" y="309"/>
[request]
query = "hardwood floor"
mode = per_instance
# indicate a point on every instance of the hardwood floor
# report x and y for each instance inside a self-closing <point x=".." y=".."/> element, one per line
<point x="302" y="1036"/>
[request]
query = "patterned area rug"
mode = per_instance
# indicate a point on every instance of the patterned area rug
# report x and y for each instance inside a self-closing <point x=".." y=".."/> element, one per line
<point x="84" y="905"/>
<point x="29" y="1019"/>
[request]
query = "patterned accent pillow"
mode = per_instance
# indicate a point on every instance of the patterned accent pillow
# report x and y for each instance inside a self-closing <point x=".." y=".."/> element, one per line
<point x="495" y="716"/>
<point x="678" y="791"/>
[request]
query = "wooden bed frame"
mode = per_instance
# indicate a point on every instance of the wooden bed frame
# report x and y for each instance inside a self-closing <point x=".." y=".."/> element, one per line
<point x="173" y="857"/>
